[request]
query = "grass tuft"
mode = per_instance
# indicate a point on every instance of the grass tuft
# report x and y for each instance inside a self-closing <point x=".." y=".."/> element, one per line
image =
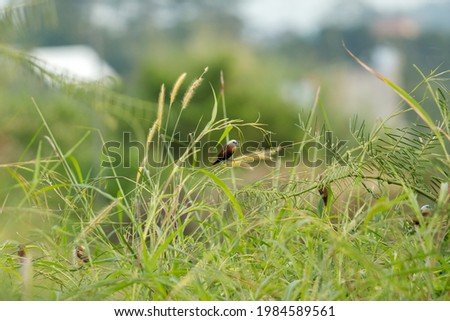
<point x="173" y="228"/>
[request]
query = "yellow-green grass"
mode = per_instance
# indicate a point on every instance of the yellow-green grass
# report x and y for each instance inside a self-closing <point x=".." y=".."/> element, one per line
<point x="182" y="231"/>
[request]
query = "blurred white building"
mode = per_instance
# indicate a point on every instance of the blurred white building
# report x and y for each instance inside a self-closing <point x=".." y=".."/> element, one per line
<point x="352" y="90"/>
<point x="78" y="63"/>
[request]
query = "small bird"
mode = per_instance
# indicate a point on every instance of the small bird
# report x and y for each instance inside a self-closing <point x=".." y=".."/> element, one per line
<point x="425" y="211"/>
<point x="80" y="253"/>
<point x="227" y="151"/>
<point x="21" y="251"/>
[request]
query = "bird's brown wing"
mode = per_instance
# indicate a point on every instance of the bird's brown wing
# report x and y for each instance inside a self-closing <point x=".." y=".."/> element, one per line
<point x="221" y="156"/>
<point x="224" y="154"/>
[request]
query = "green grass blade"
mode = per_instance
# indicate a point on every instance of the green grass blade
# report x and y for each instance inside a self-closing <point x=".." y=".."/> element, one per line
<point x="227" y="191"/>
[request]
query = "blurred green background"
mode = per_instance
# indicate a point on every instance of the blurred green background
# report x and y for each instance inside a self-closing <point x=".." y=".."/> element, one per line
<point x="273" y="66"/>
<point x="75" y="74"/>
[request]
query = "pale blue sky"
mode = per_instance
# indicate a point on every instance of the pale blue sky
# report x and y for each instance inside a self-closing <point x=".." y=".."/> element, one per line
<point x="304" y="15"/>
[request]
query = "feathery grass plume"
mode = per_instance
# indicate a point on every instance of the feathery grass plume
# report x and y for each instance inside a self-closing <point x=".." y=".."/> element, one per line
<point x="98" y="219"/>
<point x="152" y="131"/>
<point x="222" y="93"/>
<point x="159" y="115"/>
<point x="262" y="155"/>
<point x="176" y="88"/>
<point x="29" y="14"/>
<point x="191" y="90"/>
<point x="150" y="135"/>
<point x="222" y="84"/>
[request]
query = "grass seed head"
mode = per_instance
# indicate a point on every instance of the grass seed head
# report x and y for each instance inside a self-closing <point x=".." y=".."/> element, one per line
<point x="176" y="88"/>
<point x="191" y="90"/>
<point x="160" y="106"/>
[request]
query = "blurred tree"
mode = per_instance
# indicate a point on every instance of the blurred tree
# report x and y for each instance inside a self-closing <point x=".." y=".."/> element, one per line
<point x="151" y="42"/>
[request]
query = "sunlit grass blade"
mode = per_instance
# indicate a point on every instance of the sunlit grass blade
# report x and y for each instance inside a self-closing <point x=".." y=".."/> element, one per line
<point x="410" y="101"/>
<point x="227" y="192"/>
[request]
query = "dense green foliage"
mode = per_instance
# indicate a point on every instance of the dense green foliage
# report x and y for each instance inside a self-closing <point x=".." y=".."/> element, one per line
<point x="184" y="232"/>
<point x="331" y="215"/>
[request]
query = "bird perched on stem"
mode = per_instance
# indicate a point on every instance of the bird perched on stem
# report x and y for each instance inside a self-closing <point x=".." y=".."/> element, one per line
<point x="80" y="253"/>
<point x="227" y="151"/>
<point x="425" y="211"/>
